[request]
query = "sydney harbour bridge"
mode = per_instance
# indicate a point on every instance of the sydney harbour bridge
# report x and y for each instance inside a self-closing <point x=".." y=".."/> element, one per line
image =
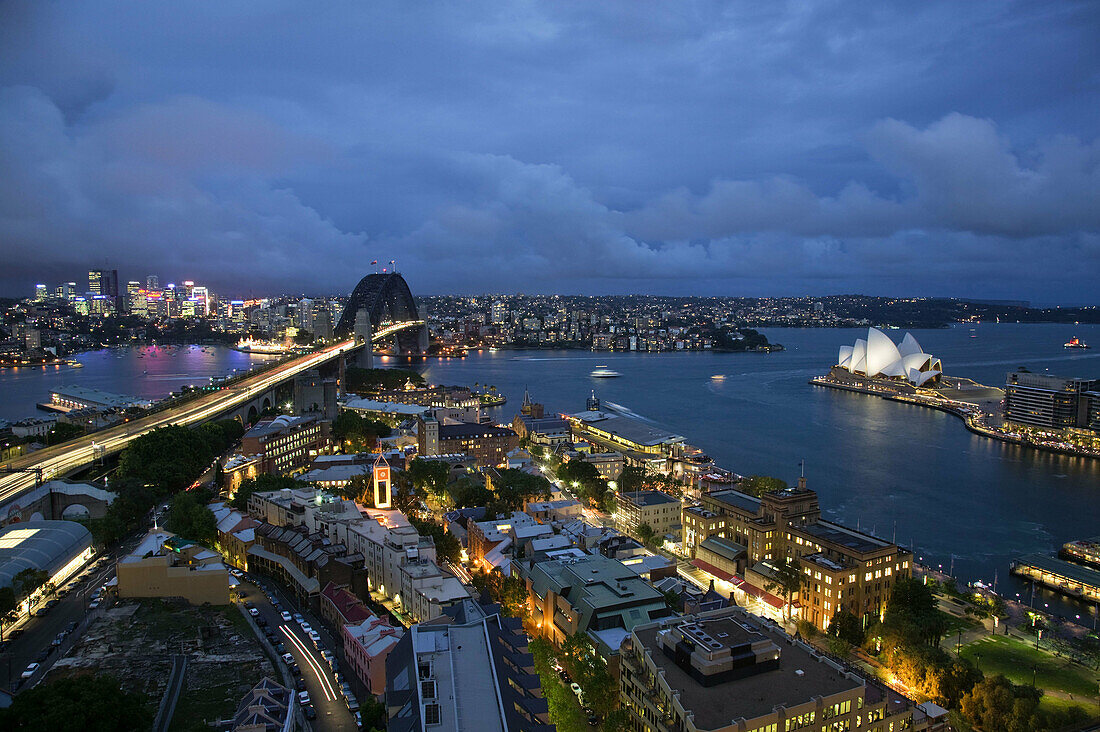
<point x="381" y="306"/>
<point x="381" y="310"/>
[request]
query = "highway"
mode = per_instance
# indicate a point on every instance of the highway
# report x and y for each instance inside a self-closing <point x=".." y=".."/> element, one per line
<point x="61" y="459"/>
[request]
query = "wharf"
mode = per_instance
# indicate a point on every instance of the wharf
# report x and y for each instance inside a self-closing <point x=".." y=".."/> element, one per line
<point x="1057" y="574"/>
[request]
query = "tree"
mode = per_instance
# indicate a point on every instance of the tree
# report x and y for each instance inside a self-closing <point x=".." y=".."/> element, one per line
<point x="469" y="492"/>
<point x="584" y="476"/>
<point x="93" y="702"/>
<point x="357" y="432"/>
<point x="758" y="485"/>
<point x="912" y="614"/>
<point x="633" y="478"/>
<point x="63" y="432"/>
<point x="787" y="580"/>
<point x="645" y="532"/>
<point x="430" y="476"/>
<point x="998" y="704"/>
<point x="28" y="581"/>
<point x="847" y="627"/>
<point x="190" y="518"/>
<point x="446" y="545"/>
<point x="516" y="487"/>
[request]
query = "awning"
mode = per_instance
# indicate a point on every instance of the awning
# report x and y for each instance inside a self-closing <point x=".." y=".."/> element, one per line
<point x="711" y="569"/>
<point x="774" y="600"/>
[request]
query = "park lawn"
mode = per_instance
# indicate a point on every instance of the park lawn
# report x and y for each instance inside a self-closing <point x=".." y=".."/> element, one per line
<point x="1015" y="658"/>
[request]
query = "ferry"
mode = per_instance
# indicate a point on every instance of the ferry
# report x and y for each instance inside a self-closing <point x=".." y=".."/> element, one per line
<point x="718" y="377"/>
<point x="602" y="372"/>
<point x="1076" y="342"/>
<point x="250" y="345"/>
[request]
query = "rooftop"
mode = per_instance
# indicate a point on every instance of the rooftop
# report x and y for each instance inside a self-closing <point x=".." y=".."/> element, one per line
<point x="717" y="705"/>
<point x="48" y="545"/>
<point x="469" y="430"/>
<point x="631" y="429"/>
<point x="827" y="531"/>
<point x="649" y="498"/>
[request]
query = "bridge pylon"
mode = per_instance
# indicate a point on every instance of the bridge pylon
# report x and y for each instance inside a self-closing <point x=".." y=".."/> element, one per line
<point x="364" y="358"/>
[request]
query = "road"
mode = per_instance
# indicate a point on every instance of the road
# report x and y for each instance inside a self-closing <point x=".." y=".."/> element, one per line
<point x="324" y="691"/>
<point x="64" y="458"/>
<point x="38" y="633"/>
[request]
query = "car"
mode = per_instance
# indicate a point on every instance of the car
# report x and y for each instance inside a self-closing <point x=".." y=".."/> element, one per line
<point x="575" y="688"/>
<point x="300" y="684"/>
<point x="58" y="640"/>
<point x="288" y="658"/>
<point x="285" y="616"/>
<point x="253" y="612"/>
<point x="592" y="719"/>
<point x="303" y="697"/>
<point x="298" y="618"/>
<point x="93" y="604"/>
<point x="295" y="669"/>
<point x="315" y="637"/>
<point x="309" y="712"/>
<point x="306" y="626"/>
<point x="280" y="648"/>
<point x="262" y="622"/>
<point x="29" y="672"/>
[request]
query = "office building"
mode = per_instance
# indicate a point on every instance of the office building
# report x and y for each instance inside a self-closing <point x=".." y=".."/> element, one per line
<point x="727" y="670"/>
<point x="487" y="444"/>
<point x="41" y="292"/>
<point x="470" y="670"/>
<point x="1048" y="402"/>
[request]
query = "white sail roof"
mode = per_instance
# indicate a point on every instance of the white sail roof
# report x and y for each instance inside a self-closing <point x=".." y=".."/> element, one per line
<point x="909" y="345"/>
<point x="859" y="356"/>
<point x="881" y="352"/>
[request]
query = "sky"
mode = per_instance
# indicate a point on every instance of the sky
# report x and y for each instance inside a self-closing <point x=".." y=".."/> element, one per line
<point x="683" y="148"/>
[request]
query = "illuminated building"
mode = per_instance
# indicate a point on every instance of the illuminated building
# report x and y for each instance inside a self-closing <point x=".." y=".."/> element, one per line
<point x="58" y="548"/>
<point x="285" y="443"/>
<point x="166" y="565"/>
<point x="727" y="670"/>
<point x="878" y="358"/>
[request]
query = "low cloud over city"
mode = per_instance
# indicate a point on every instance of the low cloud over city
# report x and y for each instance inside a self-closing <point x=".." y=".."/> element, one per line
<point x="697" y="148"/>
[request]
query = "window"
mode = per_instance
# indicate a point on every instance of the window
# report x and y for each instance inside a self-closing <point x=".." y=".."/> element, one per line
<point x="431" y="714"/>
<point x="427" y="690"/>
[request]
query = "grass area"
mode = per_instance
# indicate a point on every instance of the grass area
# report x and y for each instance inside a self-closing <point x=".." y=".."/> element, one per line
<point x="1015" y="658"/>
<point x="955" y="624"/>
<point x="217" y="697"/>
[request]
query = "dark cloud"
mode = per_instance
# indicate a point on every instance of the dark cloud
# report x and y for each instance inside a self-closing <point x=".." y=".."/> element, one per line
<point x="745" y="148"/>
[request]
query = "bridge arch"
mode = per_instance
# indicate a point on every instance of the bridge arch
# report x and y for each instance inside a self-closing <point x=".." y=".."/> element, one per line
<point x="387" y="298"/>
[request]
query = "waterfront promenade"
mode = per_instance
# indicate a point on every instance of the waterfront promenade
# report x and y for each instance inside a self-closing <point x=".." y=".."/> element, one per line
<point x="980" y="416"/>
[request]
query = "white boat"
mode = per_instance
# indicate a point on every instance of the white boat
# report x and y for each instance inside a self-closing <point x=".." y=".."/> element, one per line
<point x="602" y="372"/>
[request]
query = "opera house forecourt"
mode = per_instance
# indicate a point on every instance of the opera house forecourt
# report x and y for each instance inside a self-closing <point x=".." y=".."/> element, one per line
<point x="876" y="363"/>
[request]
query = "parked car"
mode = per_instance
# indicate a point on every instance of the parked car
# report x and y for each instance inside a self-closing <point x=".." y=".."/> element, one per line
<point x="295" y="669"/>
<point x="253" y="612"/>
<point x="288" y="658"/>
<point x="285" y="616"/>
<point x="300" y="684"/>
<point x="303" y="697"/>
<point x="94" y="604"/>
<point x="29" y="672"/>
<point x="315" y="637"/>
<point x="70" y="627"/>
<point x="298" y="618"/>
<point x="310" y="712"/>
<point x="575" y="688"/>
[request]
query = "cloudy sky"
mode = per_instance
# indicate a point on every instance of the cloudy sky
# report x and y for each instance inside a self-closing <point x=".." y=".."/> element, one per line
<point x="911" y="148"/>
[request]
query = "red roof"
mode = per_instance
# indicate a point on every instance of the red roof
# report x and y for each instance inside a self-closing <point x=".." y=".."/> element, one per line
<point x="711" y="569"/>
<point x="773" y="600"/>
<point x="350" y="607"/>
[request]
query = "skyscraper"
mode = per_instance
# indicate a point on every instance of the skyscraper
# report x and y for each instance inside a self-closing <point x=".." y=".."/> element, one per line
<point x="152" y="282"/>
<point x="104" y="282"/>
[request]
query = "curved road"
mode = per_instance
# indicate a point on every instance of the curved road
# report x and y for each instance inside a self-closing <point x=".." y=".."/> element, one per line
<point x="61" y="459"/>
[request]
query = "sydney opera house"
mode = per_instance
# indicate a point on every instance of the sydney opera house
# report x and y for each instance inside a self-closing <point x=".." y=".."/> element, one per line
<point x="878" y="358"/>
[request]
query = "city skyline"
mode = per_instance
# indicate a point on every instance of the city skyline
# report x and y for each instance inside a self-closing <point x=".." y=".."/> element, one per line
<point x="716" y="150"/>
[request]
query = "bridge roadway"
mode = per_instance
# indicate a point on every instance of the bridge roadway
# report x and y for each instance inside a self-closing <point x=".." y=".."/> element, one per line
<point x="61" y="459"/>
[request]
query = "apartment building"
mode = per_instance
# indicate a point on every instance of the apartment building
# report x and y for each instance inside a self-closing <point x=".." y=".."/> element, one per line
<point x="657" y="509"/>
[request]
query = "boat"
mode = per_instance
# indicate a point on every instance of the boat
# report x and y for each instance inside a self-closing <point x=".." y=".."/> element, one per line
<point x="718" y="377"/>
<point x="602" y="372"/>
<point x="1076" y="342"/>
<point x="75" y="364"/>
<point x="250" y="345"/>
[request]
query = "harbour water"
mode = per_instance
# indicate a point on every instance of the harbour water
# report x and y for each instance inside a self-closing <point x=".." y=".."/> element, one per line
<point x="905" y="472"/>
<point x="900" y="471"/>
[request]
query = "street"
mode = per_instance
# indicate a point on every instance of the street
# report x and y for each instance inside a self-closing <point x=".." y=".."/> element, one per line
<point x="324" y="691"/>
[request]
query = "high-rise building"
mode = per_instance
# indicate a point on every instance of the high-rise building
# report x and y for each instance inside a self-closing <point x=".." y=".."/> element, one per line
<point x="152" y="282"/>
<point x="41" y="292"/>
<point x="104" y="283"/>
<point x="133" y="289"/>
<point x="500" y="313"/>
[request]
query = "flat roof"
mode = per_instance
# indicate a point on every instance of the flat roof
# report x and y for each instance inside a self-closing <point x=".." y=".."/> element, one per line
<point x="1062" y="568"/>
<point x="738" y="499"/>
<point x="752" y="696"/>
<point x="649" y="498"/>
<point x="629" y="428"/>
<point x="842" y="535"/>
